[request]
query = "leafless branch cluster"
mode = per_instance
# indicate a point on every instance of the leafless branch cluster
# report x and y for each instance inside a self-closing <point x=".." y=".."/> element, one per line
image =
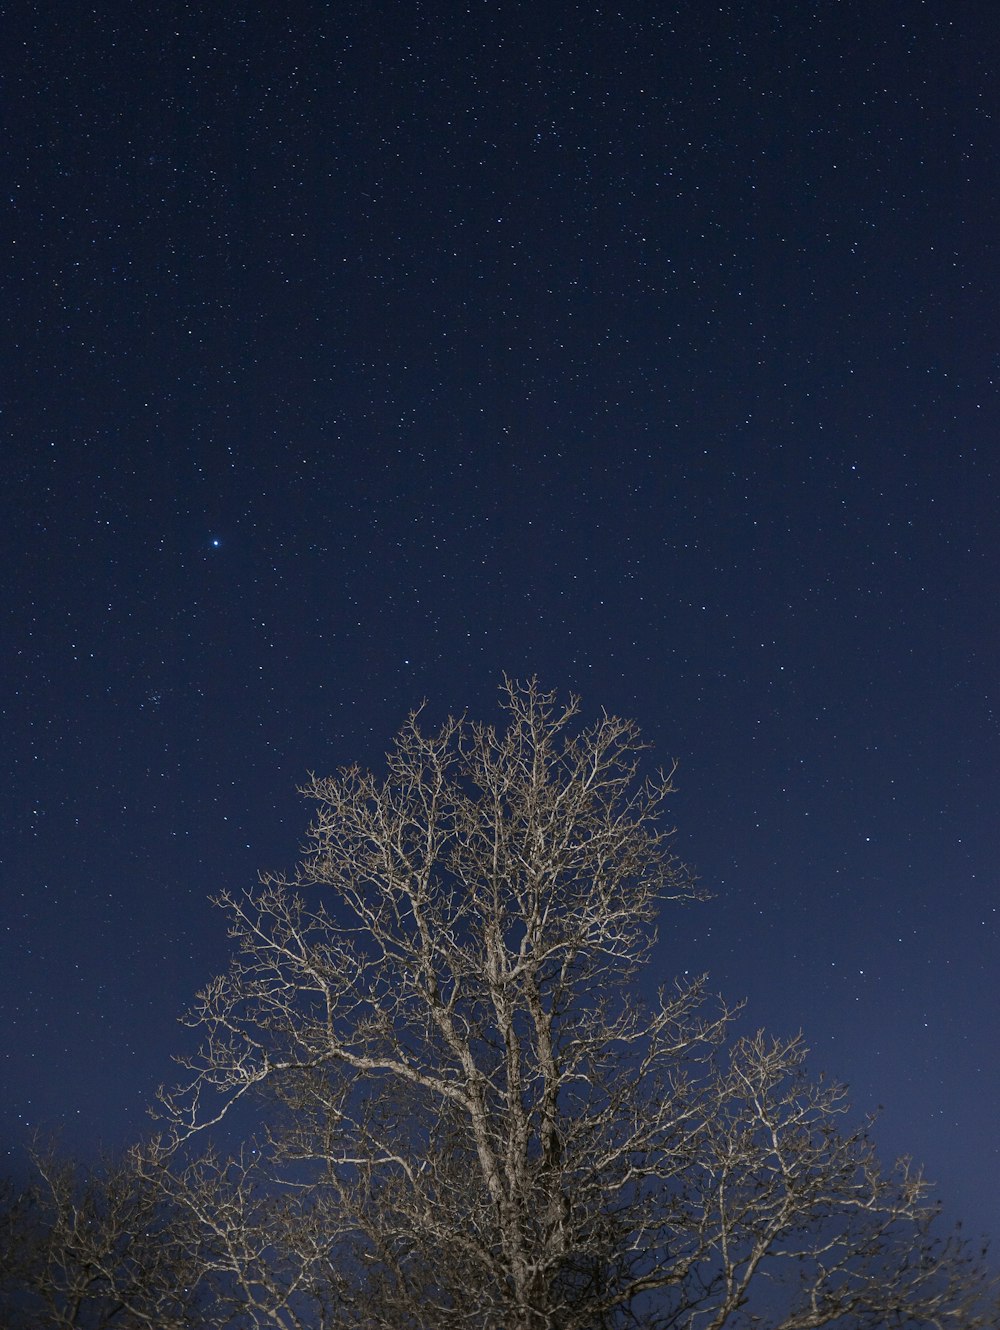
<point x="95" y="1250"/>
<point x="469" y="1116"/>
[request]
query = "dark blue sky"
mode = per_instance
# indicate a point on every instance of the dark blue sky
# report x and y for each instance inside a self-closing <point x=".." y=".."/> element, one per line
<point x="355" y="354"/>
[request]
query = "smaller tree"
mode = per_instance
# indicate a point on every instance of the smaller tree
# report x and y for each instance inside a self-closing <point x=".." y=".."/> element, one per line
<point x="90" y="1250"/>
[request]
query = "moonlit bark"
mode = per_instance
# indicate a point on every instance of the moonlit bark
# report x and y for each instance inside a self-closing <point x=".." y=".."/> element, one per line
<point x="469" y="1114"/>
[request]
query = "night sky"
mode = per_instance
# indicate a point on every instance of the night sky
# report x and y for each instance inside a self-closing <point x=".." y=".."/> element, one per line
<point x="358" y="353"/>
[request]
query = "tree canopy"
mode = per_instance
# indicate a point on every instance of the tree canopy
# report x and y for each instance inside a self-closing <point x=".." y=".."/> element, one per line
<point x="472" y="1109"/>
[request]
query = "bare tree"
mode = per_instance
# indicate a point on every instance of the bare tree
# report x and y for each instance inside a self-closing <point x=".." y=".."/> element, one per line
<point x="97" y="1249"/>
<point x="471" y="1117"/>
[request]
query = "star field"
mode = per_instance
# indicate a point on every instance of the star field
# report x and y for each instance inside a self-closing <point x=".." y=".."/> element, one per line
<point x="355" y="357"/>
